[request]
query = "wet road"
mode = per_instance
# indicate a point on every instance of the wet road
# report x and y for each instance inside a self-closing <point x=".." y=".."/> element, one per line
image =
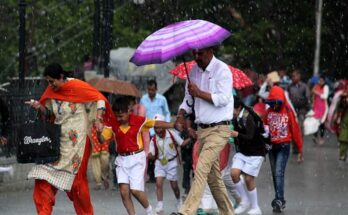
<point x="319" y="186"/>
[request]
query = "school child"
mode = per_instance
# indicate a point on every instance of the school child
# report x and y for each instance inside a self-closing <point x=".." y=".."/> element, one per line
<point x="283" y="128"/>
<point x="164" y="151"/>
<point x="248" y="128"/>
<point x="131" y="160"/>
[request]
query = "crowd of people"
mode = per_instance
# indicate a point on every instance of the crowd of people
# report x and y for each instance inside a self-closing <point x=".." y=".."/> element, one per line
<point x="220" y="137"/>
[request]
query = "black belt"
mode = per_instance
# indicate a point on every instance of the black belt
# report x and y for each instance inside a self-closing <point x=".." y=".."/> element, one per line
<point x="130" y="153"/>
<point x="227" y="122"/>
<point x="170" y="159"/>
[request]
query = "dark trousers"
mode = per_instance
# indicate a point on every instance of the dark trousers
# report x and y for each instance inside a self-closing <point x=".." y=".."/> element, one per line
<point x="151" y="170"/>
<point x="321" y="131"/>
<point x="186" y="180"/>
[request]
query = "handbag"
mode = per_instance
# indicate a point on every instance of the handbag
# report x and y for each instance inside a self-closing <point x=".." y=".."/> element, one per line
<point x="38" y="142"/>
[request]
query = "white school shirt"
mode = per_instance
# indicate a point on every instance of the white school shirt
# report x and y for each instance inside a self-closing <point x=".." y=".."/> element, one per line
<point x="165" y="146"/>
<point x="217" y="80"/>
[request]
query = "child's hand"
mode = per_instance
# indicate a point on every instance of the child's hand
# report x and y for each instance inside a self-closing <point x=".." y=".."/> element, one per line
<point x="192" y="133"/>
<point x="34" y="104"/>
<point x="234" y="133"/>
<point x="300" y="158"/>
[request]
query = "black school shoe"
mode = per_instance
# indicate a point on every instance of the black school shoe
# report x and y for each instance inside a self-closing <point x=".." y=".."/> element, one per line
<point x="278" y="205"/>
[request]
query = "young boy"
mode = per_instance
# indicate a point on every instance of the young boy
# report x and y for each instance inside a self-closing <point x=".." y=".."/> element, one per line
<point x="163" y="149"/>
<point x="131" y="160"/>
<point x="283" y="129"/>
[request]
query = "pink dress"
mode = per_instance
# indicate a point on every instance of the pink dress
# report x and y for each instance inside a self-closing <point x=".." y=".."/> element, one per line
<point x="320" y="106"/>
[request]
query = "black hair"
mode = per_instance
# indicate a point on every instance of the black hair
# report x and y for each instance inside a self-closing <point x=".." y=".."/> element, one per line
<point x="238" y="102"/>
<point x="152" y="82"/>
<point x="121" y="105"/>
<point x="55" y="71"/>
<point x="322" y="76"/>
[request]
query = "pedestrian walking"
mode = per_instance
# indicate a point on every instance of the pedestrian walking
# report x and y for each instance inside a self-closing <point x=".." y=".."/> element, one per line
<point x="299" y="95"/>
<point x="154" y="103"/>
<point x="130" y="162"/>
<point x="249" y="156"/>
<point x="100" y="159"/>
<point x="76" y="106"/>
<point x="320" y="107"/>
<point x="164" y="150"/>
<point x="283" y="129"/>
<point x="4" y="127"/>
<point x="210" y="85"/>
<point x="341" y="119"/>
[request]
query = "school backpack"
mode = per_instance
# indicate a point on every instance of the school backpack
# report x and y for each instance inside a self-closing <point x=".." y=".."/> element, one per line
<point x="260" y="129"/>
<point x="154" y="140"/>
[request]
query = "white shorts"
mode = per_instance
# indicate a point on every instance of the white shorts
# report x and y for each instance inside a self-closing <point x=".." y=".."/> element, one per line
<point x="250" y="165"/>
<point x="169" y="171"/>
<point x="131" y="169"/>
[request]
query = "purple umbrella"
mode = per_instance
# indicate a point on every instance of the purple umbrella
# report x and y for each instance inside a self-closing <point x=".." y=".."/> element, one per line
<point x="176" y="39"/>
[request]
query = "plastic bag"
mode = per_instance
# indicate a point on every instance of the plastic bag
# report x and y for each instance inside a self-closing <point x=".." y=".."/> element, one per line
<point x="310" y="125"/>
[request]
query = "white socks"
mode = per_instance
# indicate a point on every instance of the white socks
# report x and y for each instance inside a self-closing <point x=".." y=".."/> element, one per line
<point x="149" y="209"/>
<point x="253" y="198"/>
<point x="241" y="190"/>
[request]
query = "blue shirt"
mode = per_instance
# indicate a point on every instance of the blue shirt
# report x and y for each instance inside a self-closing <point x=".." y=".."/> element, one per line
<point x="158" y="105"/>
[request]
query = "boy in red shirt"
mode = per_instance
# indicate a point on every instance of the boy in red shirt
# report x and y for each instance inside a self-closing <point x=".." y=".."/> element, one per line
<point x="283" y="129"/>
<point x="131" y="160"/>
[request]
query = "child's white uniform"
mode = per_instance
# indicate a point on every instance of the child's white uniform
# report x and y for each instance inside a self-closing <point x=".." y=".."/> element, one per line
<point x="166" y="162"/>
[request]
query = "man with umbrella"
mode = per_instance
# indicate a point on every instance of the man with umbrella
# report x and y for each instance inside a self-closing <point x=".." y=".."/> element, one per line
<point x="209" y="91"/>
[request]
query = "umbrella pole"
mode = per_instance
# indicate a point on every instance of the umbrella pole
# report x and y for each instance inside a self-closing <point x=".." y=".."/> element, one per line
<point x="189" y="81"/>
<point x="186" y="71"/>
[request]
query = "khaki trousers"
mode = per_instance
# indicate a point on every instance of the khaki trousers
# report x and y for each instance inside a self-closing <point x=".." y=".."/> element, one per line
<point x="100" y="167"/>
<point x="212" y="141"/>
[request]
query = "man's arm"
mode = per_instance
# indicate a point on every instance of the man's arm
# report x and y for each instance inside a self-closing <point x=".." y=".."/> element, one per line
<point x="196" y="92"/>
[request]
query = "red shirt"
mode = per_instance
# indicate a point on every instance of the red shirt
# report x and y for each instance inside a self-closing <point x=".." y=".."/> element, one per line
<point x="129" y="138"/>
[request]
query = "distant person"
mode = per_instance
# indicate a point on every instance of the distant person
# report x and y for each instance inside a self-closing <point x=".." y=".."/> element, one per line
<point x="249" y="93"/>
<point x="299" y="95"/>
<point x="283" y="129"/>
<point x="4" y="123"/>
<point x="131" y="160"/>
<point x="285" y="80"/>
<point x="341" y="119"/>
<point x="154" y="103"/>
<point x="320" y="107"/>
<point x="4" y="133"/>
<point x="100" y="160"/>
<point x="87" y="63"/>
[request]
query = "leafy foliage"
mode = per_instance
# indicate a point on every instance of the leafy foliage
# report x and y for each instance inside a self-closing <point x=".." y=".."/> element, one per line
<point x="267" y="35"/>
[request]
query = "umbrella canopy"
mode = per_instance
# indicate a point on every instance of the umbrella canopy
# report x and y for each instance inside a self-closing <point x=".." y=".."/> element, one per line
<point x="115" y="87"/>
<point x="240" y="79"/>
<point x="176" y="39"/>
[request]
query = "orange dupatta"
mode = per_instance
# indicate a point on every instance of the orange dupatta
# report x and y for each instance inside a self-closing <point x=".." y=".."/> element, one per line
<point x="80" y="92"/>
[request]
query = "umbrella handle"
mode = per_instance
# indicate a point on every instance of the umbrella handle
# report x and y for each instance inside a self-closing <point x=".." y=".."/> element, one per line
<point x="193" y="102"/>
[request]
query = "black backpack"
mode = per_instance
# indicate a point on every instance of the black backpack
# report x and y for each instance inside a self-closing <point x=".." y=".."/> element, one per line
<point x="260" y="129"/>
